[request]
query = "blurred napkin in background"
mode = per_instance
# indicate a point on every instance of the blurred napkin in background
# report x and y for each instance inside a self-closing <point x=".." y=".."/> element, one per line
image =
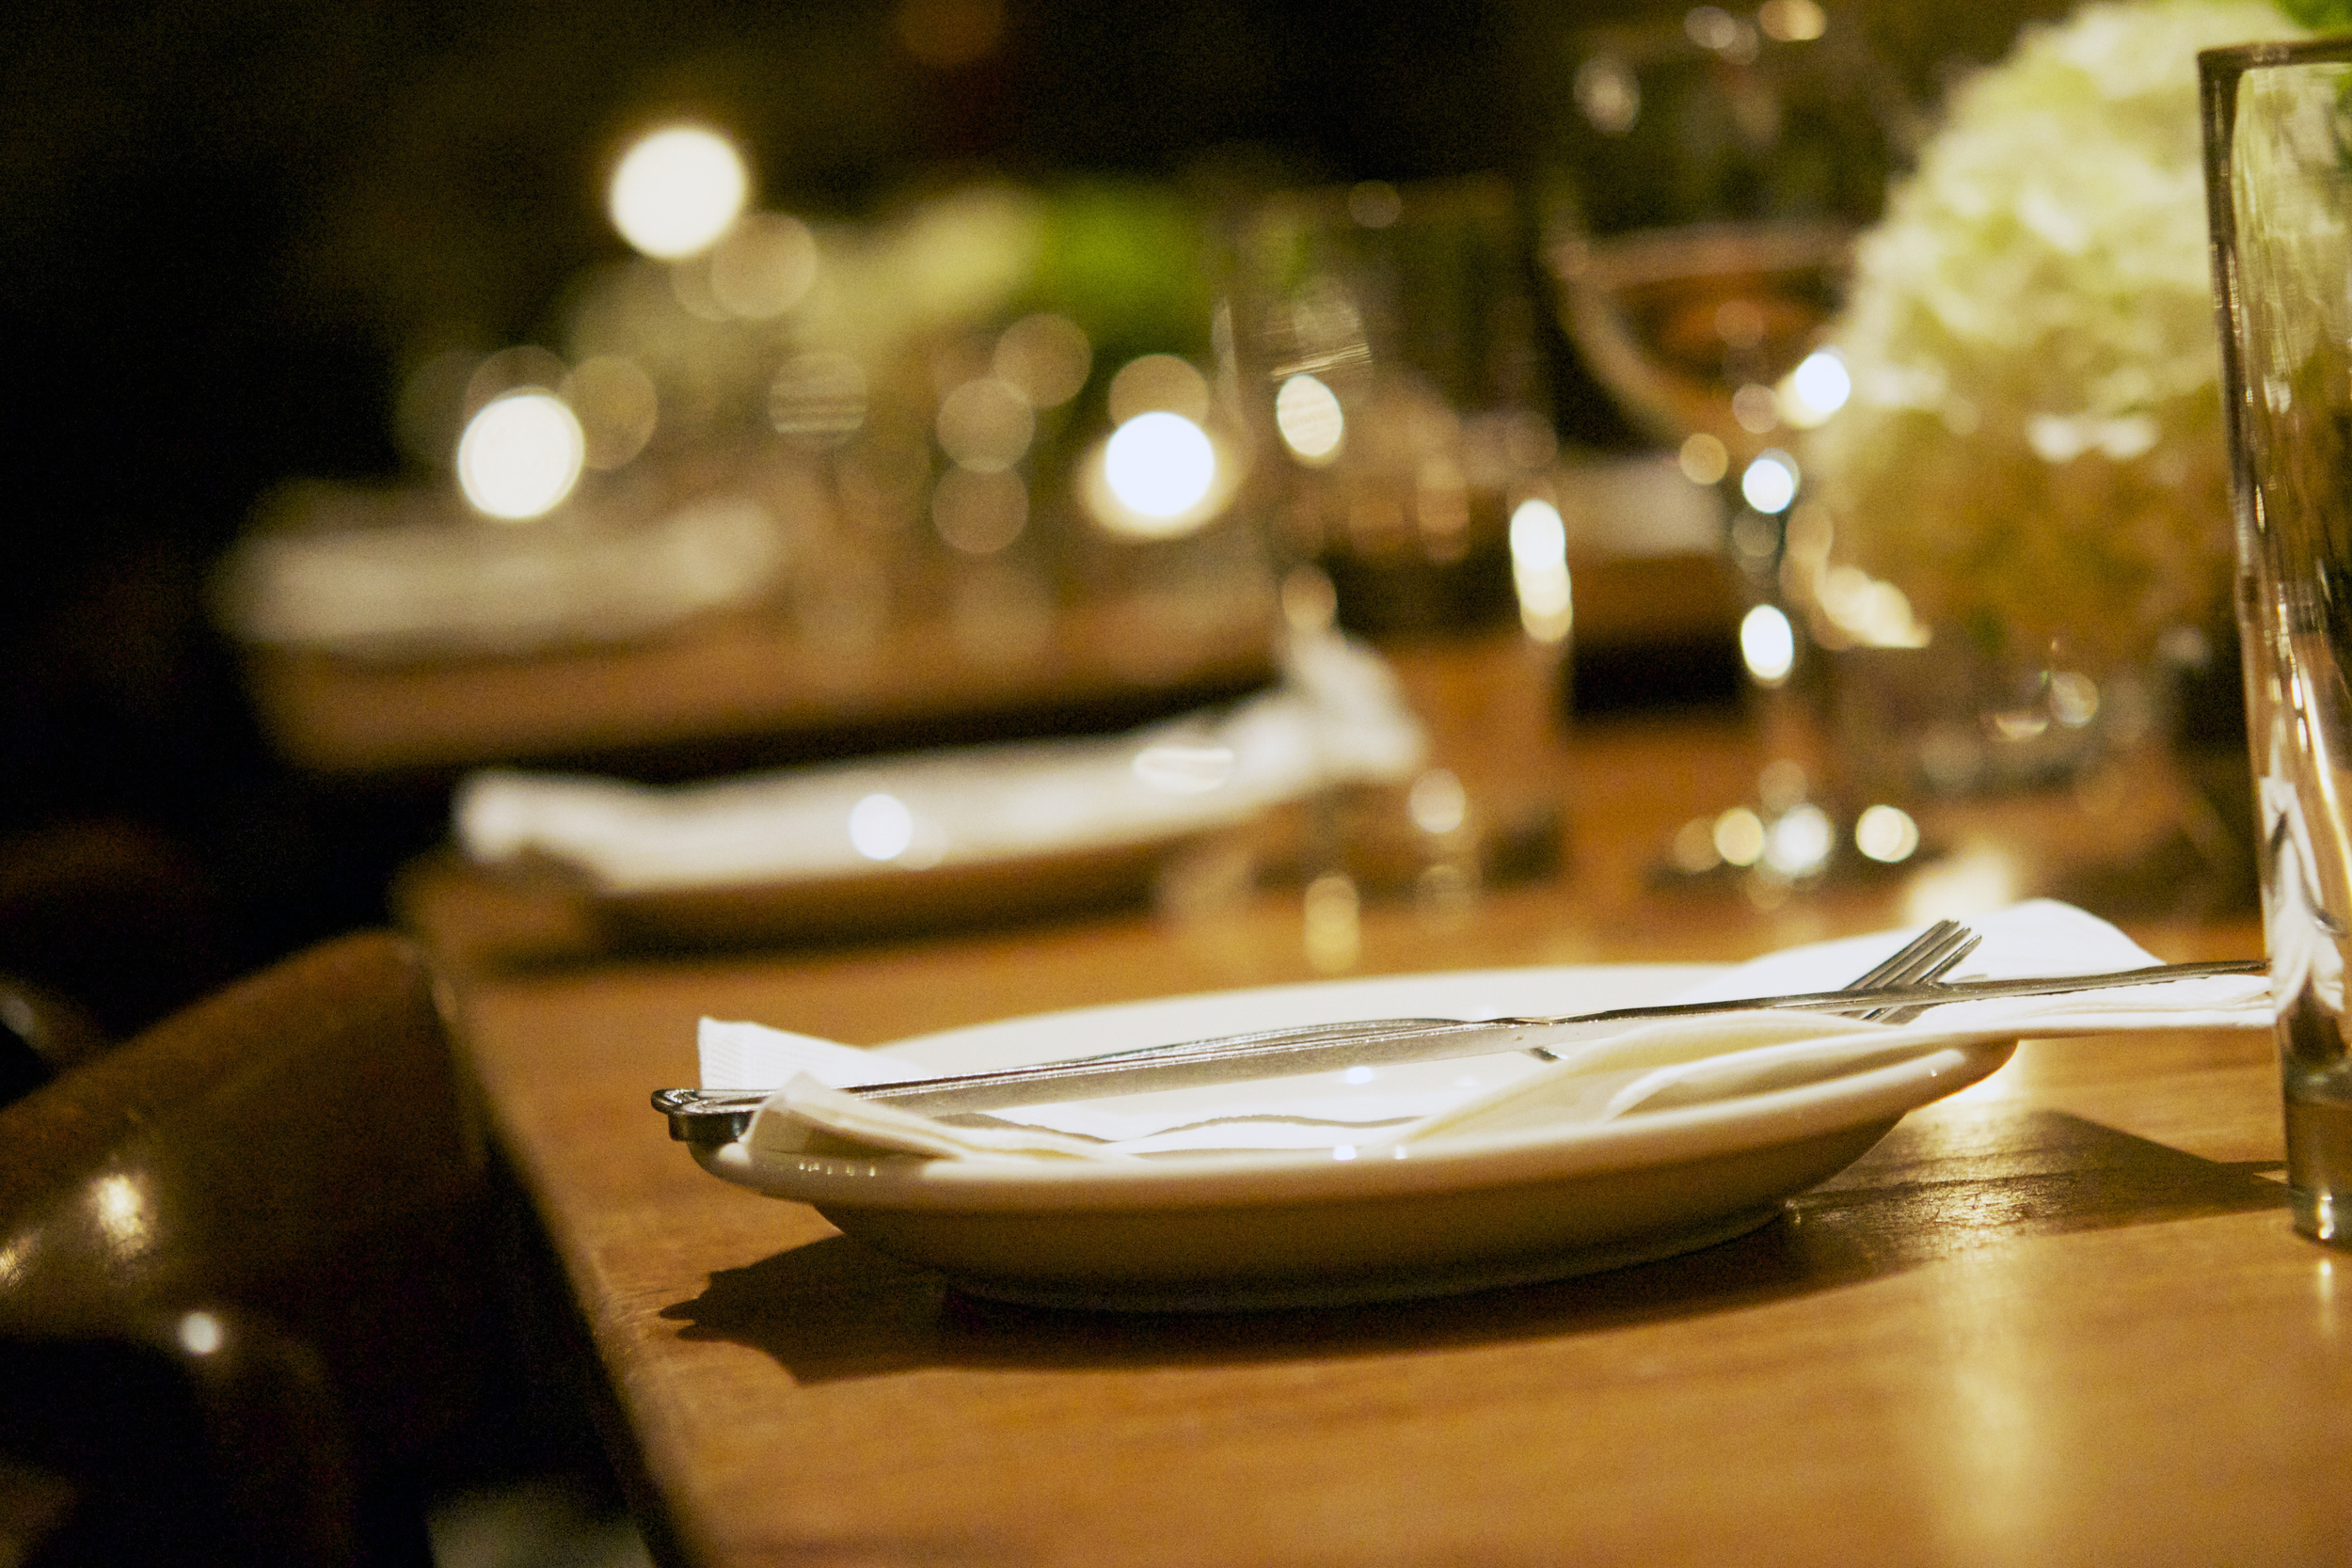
<point x="1649" y="1068"/>
<point x="1336" y="718"/>
<point x="408" y="575"/>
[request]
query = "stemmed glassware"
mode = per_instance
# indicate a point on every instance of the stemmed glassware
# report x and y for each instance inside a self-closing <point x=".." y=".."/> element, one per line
<point x="1703" y="193"/>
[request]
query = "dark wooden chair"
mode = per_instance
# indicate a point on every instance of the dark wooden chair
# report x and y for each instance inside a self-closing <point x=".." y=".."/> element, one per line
<point x="243" y="1290"/>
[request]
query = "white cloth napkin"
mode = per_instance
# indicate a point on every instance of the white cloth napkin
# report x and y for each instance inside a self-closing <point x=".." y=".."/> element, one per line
<point x="1651" y="1068"/>
<point x="406" y="575"/>
<point x="1337" y="717"/>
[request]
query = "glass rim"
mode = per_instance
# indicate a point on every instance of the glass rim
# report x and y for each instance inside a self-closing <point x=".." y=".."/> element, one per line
<point x="2236" y="59"/>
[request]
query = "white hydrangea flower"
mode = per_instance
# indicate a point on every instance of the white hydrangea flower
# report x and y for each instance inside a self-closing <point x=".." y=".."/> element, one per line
<point x="2033" y="448"/>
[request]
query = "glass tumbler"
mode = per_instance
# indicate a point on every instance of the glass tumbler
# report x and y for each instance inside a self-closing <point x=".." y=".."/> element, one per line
<point x="1381" y="346"/>
<point x="2278" y="129"/>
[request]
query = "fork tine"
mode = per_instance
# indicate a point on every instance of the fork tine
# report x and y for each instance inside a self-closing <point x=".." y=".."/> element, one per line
<point x="1937" y="957"/>
<point x="1893" y="970"/>
<point x="1944" y="963"/>
<point x="1931" y="953"/>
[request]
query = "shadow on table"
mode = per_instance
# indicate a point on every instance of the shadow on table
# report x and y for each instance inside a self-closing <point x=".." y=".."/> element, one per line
<point x="1934" y="1187"/>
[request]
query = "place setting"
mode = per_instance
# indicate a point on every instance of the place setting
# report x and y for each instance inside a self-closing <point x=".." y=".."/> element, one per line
<point x="953" y="835"/>
<point x="1291" y="1154"/>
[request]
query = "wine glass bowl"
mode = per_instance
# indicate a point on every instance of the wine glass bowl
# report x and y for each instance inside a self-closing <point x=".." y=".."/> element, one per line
<point x="1692" y="329"/>
<point x="1703" y="188"/>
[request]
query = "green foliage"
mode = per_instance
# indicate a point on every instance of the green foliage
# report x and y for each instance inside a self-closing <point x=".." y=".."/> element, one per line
<point x="1123" y="259"/>
<point x="2320" y="16"/>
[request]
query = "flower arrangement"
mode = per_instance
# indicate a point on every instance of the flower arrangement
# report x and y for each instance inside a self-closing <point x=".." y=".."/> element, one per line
<point x="2033" y="448"/>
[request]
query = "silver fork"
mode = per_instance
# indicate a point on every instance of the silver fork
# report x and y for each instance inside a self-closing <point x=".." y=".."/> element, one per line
<point x="1925" y="958"/>
<point x="720" y="1115"/>
<point x="1930" y="956"/>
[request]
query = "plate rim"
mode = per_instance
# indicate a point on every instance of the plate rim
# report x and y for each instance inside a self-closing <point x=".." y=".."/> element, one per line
<point x="1251" y="1179"/>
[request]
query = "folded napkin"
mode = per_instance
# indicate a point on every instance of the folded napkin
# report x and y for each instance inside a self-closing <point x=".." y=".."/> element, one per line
<point x="405" y="575"/>
<point x="1337" y="717"/>
<point x="1651" y="1068"/>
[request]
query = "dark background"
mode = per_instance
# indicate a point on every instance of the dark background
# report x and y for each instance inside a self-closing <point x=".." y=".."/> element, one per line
<point x="224" y="228"/>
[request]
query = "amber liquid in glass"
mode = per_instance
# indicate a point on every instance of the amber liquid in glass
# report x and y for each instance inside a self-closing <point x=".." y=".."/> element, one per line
<point x="1677" y="324"/>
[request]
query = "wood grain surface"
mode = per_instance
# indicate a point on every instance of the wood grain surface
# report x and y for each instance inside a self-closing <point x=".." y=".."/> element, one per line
<point x="2057" y="1319"/>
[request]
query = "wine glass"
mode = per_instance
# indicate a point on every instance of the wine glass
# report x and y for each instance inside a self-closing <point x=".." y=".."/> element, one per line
<point x="1705" y="185"/>
<point x="1383" y="352"/>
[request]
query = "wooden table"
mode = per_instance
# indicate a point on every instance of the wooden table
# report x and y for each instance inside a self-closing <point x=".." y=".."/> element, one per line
<point x="2060" y="1317"/>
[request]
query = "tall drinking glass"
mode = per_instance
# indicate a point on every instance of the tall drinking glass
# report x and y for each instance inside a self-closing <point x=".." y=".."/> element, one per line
<point x="2278" y="124"/>
<point x="1383" y="352"/>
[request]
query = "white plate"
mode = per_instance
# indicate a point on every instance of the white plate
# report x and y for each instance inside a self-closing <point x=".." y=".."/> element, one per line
<point x="944" y="836"/>
<point x="1215" y="1230"/>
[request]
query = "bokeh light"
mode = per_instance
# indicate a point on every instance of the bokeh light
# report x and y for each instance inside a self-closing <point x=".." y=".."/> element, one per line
<point x="880" y="827"/>
<point x="1757" y="408"/>
<point x="1045" y="356"/>
<point x="1792" y="21"/>
<point x="1769" y="482"/>
<point x="676" y="190"/>
<point x="520" y="455"/>
<point x="980" y="512"/>
<point x="763" y="266"/>
<point x="689" y="279"/>
<point x="1704" y="459"/>
<point x="1781" y="783"/>
<point x="1739" y="836"/>
<point x="818" y="399"/>
<point x="1609" y="93"/>
<point x="1866" y="611"/>
<point x="1158" y="384"/>
<point x="617" y="406"/>
<point x="986" y="424"/>
<point x="1799" y="841"/>
<point x="1160" y="466"/>
<point x="1334" y="928"/>
<point x="1739" y="322"/>
<point x="1886" y="834"/>
<point x="1438" y="803"/>
<point x="1818" y="387"/>
<point x="1692" y="850"/>
<point x="1374" y="204"/>
<point x="2074" y="698"/>
<point x="1767" y="644"/>
<point x="1539" y="570"/>
<point x="118" y="1203"/>
<point x="1308" y="415"/>
<point x="1712" y="28"/>
<point x="1309" y="603"/>
<point x="200" y="1333"/>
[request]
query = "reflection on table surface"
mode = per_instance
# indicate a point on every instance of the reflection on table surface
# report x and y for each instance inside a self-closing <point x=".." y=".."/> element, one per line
<point x="2059" y="1317"/>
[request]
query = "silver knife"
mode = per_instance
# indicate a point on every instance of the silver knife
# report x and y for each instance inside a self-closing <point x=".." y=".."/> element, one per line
<point x="720" y="1115"/>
